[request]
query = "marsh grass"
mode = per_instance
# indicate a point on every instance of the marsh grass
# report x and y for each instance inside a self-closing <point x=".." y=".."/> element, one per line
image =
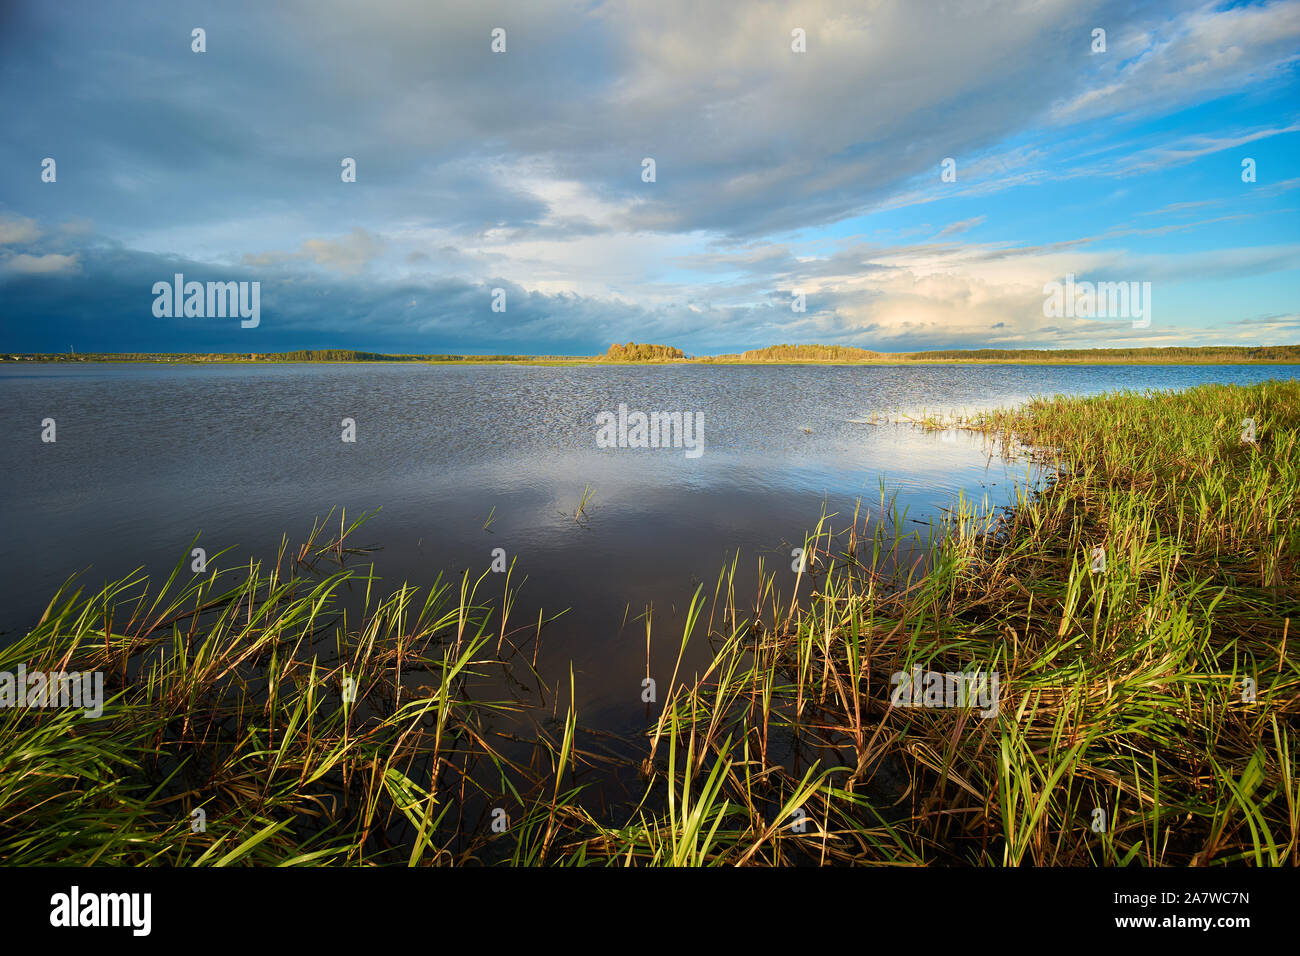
<point x="1126" y="692"/>
<point x="301" y="736"/>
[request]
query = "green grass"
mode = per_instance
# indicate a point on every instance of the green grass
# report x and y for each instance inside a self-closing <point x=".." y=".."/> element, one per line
<point x="1121" y="691"/>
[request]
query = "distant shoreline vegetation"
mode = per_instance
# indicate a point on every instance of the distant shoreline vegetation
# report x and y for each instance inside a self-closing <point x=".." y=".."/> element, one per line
<point x="637" y="353"/>
<point x="632" y="352"/>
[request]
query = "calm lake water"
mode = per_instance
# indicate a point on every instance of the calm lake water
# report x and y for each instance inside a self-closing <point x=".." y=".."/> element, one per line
<point x="147" y="456"/>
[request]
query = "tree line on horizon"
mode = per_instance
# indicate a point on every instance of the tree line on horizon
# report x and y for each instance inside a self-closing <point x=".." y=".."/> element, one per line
<point x="849" y="353"/>
<point x="639" y="352"/>
<point x="300" y="355"/>
<point x="636" y="352"/>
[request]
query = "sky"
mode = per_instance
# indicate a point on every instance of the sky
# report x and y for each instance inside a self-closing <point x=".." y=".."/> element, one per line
<point x="799" y="149"/>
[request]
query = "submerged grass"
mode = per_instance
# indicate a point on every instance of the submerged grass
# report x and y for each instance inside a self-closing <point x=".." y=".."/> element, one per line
<point x="1134" y="605"/>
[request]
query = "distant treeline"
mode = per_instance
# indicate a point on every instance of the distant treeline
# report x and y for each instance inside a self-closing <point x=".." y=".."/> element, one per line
<point x="301" y="355"/>
<point x="635" y="352"/>
<point x="844" y="353"/>
<point x="334" y="355"/>
<point x="348" y="355"/>
<point x="1211" y="353"/>
<point x="807" y="353"/>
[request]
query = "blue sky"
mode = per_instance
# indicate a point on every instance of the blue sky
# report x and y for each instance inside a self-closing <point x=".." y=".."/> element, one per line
<point x="776" y="171"/>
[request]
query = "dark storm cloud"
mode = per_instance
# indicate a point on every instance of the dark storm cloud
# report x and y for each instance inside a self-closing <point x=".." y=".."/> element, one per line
<point x="105" y="303"/>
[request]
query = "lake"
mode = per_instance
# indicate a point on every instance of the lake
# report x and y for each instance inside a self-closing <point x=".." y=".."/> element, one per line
<point x="148" y="456"/>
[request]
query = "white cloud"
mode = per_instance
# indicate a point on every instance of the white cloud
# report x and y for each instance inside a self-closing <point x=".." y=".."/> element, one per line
<point x="51" y="264"/>
<point x="348" y="255"/>
<point x="18" y="229"/>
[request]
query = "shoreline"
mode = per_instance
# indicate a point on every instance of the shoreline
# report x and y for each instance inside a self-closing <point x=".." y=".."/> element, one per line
<point x="1201" y="355"/>
<point x="687" y="362"/>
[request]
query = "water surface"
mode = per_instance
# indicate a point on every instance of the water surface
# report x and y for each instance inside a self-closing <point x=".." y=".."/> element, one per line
<point x="147" y="456"/>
